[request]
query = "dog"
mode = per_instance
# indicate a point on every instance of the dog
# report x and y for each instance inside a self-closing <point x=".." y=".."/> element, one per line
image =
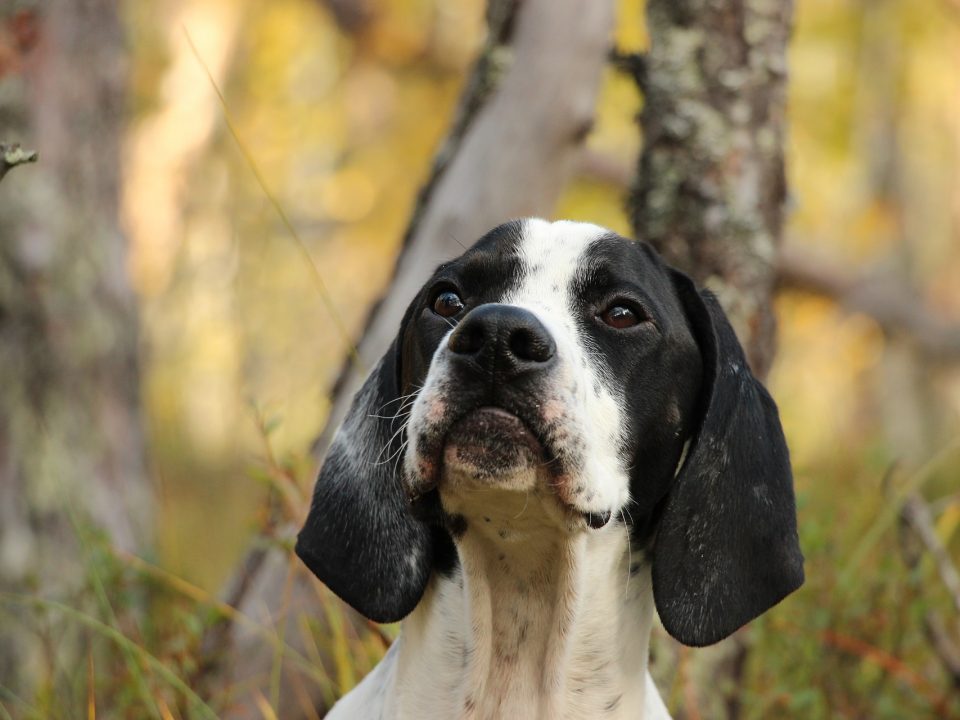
<point x="564" y="435"/>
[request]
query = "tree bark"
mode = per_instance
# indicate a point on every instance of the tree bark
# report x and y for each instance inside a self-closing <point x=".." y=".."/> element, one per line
<point x="71" y="450"/>
<point x="512" y="149"/>
<point x="710" y="186"/>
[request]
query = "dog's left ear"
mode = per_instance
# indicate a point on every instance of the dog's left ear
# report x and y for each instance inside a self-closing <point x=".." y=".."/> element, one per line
<point x="360" y="537"/>
<point x="726" y="548"/>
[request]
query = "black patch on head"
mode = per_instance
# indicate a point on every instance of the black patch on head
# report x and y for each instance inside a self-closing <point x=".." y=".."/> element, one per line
<point x="361" y="537"/>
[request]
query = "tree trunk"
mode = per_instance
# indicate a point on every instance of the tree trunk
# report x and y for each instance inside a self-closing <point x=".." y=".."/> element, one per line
<point x="71" y="451"/>
<point x="710" y="186"/>
<point x="512" y="149"/>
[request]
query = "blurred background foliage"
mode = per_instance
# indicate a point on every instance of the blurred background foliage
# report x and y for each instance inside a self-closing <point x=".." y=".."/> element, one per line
<point x="341" y="106"/>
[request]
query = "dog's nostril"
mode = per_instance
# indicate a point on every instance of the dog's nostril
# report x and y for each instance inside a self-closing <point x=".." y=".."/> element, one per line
<point x="597" y="520"/>
<point x="467" y="339"/>
<point x="527" y="344"/>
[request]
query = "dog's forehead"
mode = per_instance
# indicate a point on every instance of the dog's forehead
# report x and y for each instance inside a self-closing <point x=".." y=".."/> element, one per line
<point x="551" y="256"/>
<point x="534" y="258"/>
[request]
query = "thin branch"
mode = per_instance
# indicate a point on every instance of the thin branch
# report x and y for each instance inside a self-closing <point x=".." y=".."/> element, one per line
<point x="917" y="516"/>
<point x="12" y="155"/>
<point x="897" y="309"/>
<point x="946" y="648"/>
<point x="916" y="523"/>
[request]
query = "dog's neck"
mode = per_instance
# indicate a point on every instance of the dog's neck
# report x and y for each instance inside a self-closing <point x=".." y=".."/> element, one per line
<point x="537" y="623"/>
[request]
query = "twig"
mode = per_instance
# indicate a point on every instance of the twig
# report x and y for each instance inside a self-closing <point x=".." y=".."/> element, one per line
<point x="894" y="307"/>
<point x="946" y="648"/>
<point x="691" y="706"/>
<point x="915" y="517"/>
<point x="892" y="665"/>
<point x="11" y="155"/>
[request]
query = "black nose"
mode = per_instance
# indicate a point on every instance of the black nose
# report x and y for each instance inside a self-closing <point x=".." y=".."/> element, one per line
<point x="503" y="338"/>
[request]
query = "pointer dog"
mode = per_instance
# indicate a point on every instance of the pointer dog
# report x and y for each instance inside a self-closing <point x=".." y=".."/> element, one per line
<point x="564" y="434"/>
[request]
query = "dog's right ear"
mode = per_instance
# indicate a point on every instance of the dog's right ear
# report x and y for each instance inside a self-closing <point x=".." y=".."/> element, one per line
<point x="360" y="537"/>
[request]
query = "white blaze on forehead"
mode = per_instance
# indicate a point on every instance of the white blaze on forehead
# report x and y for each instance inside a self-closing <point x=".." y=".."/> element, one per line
<point x="551" y="255"/>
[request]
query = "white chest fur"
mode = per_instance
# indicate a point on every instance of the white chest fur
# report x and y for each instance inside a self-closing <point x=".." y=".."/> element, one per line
<point x="531" y="626"/>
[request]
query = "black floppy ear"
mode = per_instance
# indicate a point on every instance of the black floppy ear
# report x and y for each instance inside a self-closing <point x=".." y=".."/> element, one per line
<point x="726" y="548"/>
<point x="360" y="538"/>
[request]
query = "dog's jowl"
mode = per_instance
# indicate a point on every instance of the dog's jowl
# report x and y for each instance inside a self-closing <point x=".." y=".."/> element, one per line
<point x="564" y="435"/>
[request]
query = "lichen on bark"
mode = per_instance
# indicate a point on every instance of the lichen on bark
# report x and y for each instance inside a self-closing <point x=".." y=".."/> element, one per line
<point x="12" y="155"/>
<point x="710" y="186"/>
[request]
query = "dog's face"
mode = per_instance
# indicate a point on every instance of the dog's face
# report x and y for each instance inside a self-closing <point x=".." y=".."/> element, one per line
<point x="552" y="359"/>
<point x="563" y="362"/>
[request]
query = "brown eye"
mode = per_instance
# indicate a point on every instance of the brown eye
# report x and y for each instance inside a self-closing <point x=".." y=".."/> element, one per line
<point x="620" y="317"/>
<point x="447" y="304"/>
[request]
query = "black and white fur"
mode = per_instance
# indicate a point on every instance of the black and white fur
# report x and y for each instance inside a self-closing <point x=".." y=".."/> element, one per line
<point x="522" y="483"/>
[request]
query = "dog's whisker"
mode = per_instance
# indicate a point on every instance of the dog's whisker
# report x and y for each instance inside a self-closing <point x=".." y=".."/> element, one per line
<point x="626" y="586"/>
<point x="399" y="455"/>
<point x="388" y="444"/>
<point x="526" y="501"/>
<point x="401" y="399"/>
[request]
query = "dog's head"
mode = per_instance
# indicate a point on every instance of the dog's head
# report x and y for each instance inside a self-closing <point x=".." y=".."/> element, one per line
<point x="562" y="361"/>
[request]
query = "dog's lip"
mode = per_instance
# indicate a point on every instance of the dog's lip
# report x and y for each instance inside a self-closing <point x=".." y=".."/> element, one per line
<point x="487" y="417"/>
<point x="493" y="413"/>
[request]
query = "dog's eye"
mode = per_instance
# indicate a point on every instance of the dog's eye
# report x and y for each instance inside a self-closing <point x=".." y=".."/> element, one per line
<point x="447" y="304"/>
<point x="620" y="317"/>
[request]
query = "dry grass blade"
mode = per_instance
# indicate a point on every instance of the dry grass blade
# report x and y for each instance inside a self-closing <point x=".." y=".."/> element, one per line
<point x="121" y="640"/>
<point x="199" y="595"/>
<point x="91" y="685"/>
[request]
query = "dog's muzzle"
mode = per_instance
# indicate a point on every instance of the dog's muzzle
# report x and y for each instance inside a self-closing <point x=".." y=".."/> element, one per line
<point x="496" y="363"/>
<point x="491" y="417"/>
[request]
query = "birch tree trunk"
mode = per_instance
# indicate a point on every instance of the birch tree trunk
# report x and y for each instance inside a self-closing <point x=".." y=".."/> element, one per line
<point x="71" y="451"/>
<point x="513" y="146"/>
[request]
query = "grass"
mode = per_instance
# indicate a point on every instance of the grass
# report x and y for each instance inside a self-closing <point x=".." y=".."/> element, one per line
<point x="850" y="644"/>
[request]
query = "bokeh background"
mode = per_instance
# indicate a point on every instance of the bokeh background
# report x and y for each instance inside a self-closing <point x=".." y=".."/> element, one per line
<point x="341" y="107"/>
